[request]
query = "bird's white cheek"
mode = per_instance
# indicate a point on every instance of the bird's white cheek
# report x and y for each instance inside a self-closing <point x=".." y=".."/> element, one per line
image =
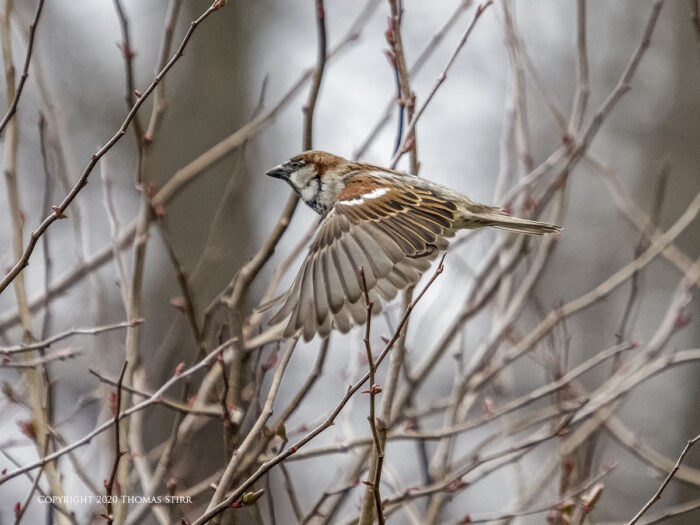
<point x="308" y="193"/>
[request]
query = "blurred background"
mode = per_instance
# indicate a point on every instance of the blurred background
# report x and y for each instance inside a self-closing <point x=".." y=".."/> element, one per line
<point x="241" y="62"/>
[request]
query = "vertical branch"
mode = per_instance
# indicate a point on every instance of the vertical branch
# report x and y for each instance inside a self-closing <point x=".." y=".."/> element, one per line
<point x="159" y="93"/>
<point x="256" y="431"/>
<point x="247" y="274"/>
<point x="117" y="444"/>
<point x="59" y="210"/>
<point x="440" y="80"/>
<point x="422" y="59"/>
<point x="114" y="232"/>
<point x="188" y="297"/>
<point x="521" y="140"/>
<point x="54" y="136"/>
<point x="130" y="94"/>
<point x="367" y="517"/>
<point x="37" y="391"/>
<point x="399" y="131"/>
<point x="45" y="203"/>
<point x="10" y="171"/>
<point x="310" y="106"/>
<point x="133" y="311"/>
<point x="642" y="244"/>
<point x="293" y="500"/>
<point x="522" y="134"/>
<point x="289" y="451"/>
<point x="14" y="93"/>
<point x="145" y="217"/>
<point x="407" y="98"/>
<point x="582" y="88"/>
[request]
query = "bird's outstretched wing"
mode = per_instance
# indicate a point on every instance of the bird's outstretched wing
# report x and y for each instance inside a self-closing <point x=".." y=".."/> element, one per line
<point x="393" y="235"/>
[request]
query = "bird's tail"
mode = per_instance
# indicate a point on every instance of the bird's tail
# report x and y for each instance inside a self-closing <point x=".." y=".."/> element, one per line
<point x="498" y="219"/>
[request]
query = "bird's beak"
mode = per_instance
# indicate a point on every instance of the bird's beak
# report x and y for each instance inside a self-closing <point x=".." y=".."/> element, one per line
<point x="279" y="172"/>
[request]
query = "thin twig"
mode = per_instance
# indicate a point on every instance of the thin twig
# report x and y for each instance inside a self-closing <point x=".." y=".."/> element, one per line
<point x="308" y="384"/>
<point x="154" y="399"/>
<point x="452" y="481"/>
<point x="373" y="390"/>
<point x="113" y="217"/>
<point x="407" y="99"/>
<point x="8" y="350"/>
<point x="578" y="108"/>
<point x="188" y="173"/>
<point x="164" y="401"/>
<point x="289" y="485"/>
<point x="676" y="510"/>
<point x="593" y="296"/>
<point x="253" y="435"/>
<point x="266" y="466"/>
<point x="666" y="481"/>
<point x="575" y="147"/>
<point x="441" y="78"/>
<point x="58" y="508"/>
<point x="60" y="209"/>
<point x="593" y="484"/>
<point x="38" y="384"/>
<point x="130" y="94"/>
<point x="58" y="355"/>
<point x="12" y="109"/>
<point x="415" y="68"/>
<point x="46" y="246"/>
<point x="634" y="214"/>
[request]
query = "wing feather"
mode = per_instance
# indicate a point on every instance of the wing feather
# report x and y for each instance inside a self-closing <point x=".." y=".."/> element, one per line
<point x="307" y="317"/>
<point x="324" y="329"/>
<point x="393" y="235"/>
<point x="392" y="231"/>
<point x="346" y="270"/>
<point x="387" y="243"/>
<point x="398" y="279"/>
<point x="386" y="289"/>
<point x="334" y="286"/>
<point x="410" y="224"/>
<point x="342" y="321"/>
<point x="292" y="298"/>
<point x="320" y="288"/>
<point x="403" y="229"/>
<point x="378" y="259"/>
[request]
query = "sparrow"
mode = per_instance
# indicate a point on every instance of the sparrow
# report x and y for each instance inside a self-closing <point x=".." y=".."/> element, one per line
<point x="390" y="224"/>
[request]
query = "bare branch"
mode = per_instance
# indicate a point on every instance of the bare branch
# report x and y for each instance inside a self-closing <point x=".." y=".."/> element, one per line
<point x="441" y="78"/>
<point x="657" y="496"/>
<point x="117" y="445"/>
<point x="59" y="210"/>
<point x="25" y="70"/>
<point x="9" y="350"/>
<point x="152" y="400"/>
<point x="374" y="389"/>
<point x="266" y="466"/>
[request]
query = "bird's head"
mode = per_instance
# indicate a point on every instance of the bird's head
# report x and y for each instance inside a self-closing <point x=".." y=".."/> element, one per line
<point x="316" y="176"/>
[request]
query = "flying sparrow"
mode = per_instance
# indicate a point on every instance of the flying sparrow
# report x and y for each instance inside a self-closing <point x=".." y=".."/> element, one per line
<point x="389" y="223"/>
